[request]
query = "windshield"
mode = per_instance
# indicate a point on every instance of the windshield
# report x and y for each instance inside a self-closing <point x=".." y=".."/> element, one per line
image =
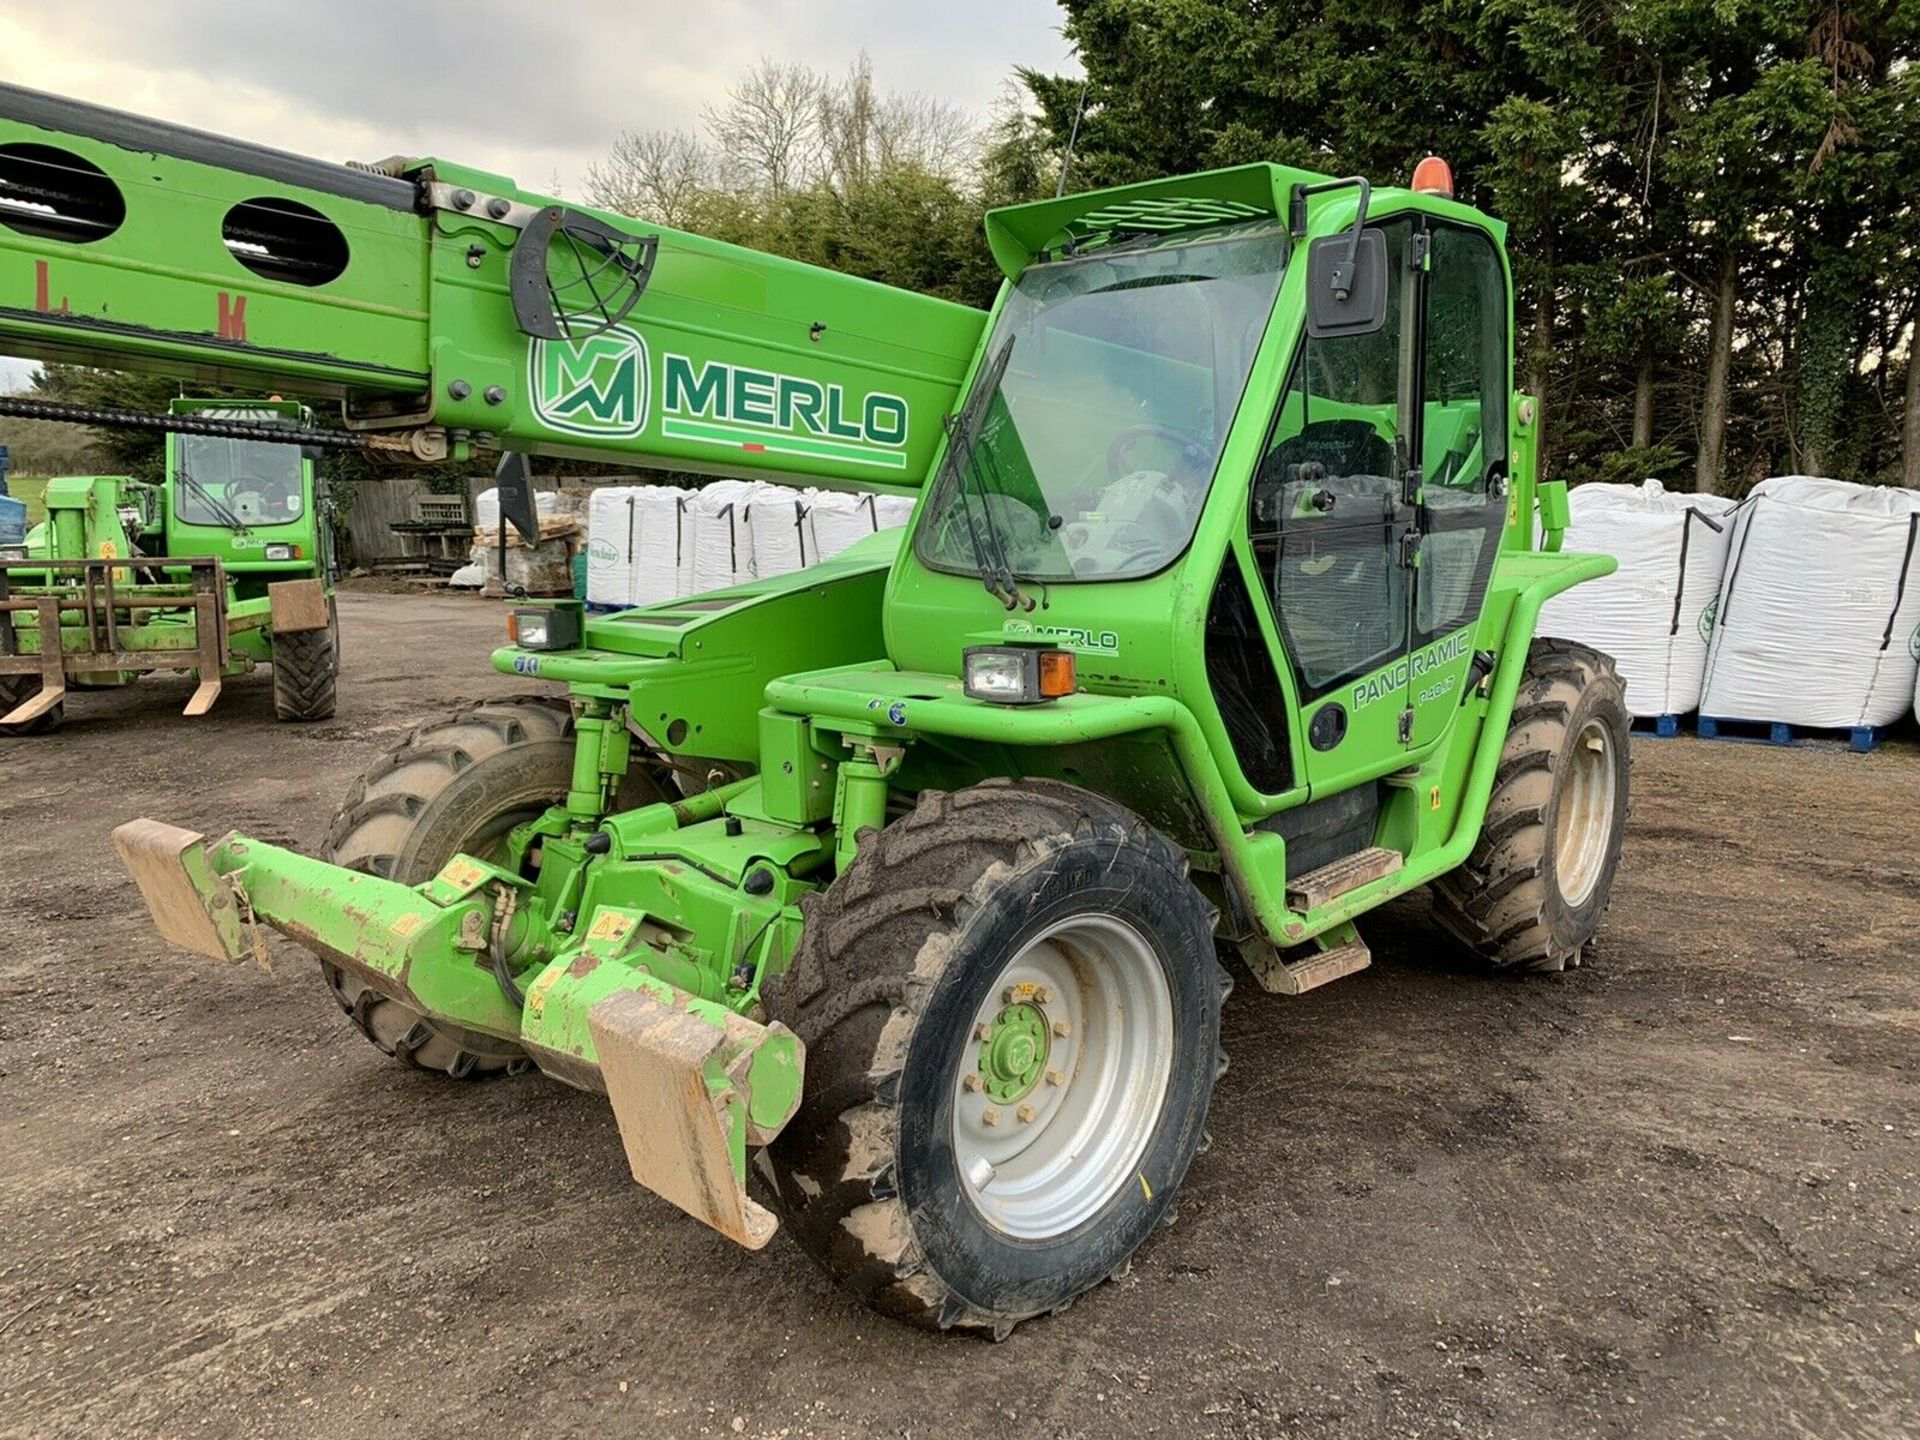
<point x="246" y="481"/>
<point x="1095" y="450"/>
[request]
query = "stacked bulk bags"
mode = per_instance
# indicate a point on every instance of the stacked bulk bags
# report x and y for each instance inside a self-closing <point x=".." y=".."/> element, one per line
<point x="653" y="543"/>
<point x="1819" y="611"/>
<point x="1653" y="614"/>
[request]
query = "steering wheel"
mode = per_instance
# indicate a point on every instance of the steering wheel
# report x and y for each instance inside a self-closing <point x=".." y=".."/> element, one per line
<point x="266" y="493"/>
<point x="1192" y="454"/>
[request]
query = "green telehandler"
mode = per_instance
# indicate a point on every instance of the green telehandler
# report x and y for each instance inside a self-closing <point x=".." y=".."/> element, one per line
<point x="222" y="566"/>
<point x="904" y="881"/>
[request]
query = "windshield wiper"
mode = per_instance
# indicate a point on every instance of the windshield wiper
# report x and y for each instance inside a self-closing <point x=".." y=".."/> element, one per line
<point x="214" y="504"/>
<point x="962" y="430"/>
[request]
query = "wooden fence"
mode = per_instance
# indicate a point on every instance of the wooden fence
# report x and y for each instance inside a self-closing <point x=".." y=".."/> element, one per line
<point x="380" y="505"/>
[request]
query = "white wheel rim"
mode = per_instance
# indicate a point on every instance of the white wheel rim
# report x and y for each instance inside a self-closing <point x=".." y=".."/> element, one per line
<point x="1584" y="832"/>
<point x="1039" y="1159"/>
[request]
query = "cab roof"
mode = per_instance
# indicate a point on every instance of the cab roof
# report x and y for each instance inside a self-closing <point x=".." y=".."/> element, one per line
<point x="1018" y="233"/>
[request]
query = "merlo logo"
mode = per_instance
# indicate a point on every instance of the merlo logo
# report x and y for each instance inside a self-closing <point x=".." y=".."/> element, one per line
<point x="595" y="386"/>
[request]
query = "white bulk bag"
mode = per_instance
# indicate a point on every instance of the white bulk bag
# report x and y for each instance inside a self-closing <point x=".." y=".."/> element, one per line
<point x="892" y="511"/>
<point x="1652" y="614"/>
<point x="778" y="522"/>
<point x="1819" y="607"/>
<point x="486" y="507"/>
<point x="837" y="518"/>
<point x="610" y="546"/>
<point x="716" y="548"/>
<point x="657" y="543"/>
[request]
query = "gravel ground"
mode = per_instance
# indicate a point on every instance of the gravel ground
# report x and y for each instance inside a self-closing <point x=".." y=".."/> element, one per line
<point x="1670" y="1194"/>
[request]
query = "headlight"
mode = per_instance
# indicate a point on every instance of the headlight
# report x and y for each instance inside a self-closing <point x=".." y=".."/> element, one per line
<point x="548" y="628"/>
<point x="1018" y="674"/>
<point x="283" y="552"/>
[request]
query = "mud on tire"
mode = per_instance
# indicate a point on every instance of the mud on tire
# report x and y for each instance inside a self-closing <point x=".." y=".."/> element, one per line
<point x="895" y="959"/>
<point x="459" y="784"/>
<point x="306" y="669"/>
<point x="1532" y="894"/>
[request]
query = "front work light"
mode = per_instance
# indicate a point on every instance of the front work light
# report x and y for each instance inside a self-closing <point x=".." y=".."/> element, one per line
<point x="1018" y="674"/>
<point x="283" y="552"/>
<point x="555" y="627"/>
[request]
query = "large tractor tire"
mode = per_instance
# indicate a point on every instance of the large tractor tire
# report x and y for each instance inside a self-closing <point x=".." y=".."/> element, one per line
<point x="306" y="671"/>
<point x="16" y="689"/>
<point x="1011" y="1007"/>
<point x="1534" y="891"/>
<point x="456" y="786"/>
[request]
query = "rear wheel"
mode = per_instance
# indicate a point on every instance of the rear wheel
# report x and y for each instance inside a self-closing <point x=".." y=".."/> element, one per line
<point x="456" y="786"/>
<point x="1534" y="891"/>
<point x="1012" y="1012"/>
<point x="306" y="669"/>
<point x="17" y="689"/>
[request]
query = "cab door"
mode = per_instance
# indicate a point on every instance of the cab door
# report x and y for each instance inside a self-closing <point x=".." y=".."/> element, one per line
<point x="1465" y="385"/>
<point x="1334" y="531"/>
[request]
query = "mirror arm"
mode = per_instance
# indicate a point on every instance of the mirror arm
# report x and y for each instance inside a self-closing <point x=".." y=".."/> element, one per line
<point x="1341" y="277"/>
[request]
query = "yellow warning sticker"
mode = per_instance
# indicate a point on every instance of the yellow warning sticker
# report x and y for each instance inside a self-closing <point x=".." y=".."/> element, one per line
<point x="407" y="923"/>
<point x="462" y="873"/>
<point x="610" y="925"/>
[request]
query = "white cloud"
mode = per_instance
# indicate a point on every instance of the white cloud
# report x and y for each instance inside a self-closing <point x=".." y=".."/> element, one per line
<point x="531" y="91"/>
<point x="535" y="92"/>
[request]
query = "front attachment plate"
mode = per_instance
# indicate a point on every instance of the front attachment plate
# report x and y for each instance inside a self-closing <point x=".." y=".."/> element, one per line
<point x="681" y="1091"/>
<point x="193" y="906"/>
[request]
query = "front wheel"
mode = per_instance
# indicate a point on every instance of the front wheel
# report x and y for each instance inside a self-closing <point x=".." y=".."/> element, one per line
<point x="458" y="786"/>
<point x="1533" y="893"/>
<point x="1012" y="1012"/>
<point x="306" y="671"/>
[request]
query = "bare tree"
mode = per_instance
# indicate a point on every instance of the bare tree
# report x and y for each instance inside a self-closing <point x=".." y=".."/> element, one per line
<point x="863" y="132"/>
<point x="654" y="174"/>
<point x="784" y="128"/>
<point x="767" y="133"/>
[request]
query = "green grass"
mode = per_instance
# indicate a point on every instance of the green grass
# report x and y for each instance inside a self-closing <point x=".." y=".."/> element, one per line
<point x="32" y="489"/>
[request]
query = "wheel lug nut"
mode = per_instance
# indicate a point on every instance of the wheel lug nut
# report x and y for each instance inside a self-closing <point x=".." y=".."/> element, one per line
<point x="1054" y="1077"/>
<point x="982" y="1030"/>
<point x="1009" y="995"/>
<point x="1026" y="1114"/>
<point x="1042" y="995"/>
<point x="971" y="1084"/>
<point x="989" y="1117"/>
<point x="1063" y="1027"/>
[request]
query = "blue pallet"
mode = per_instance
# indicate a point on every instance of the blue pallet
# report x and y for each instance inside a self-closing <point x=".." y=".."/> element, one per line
<point x="1860" y="738"/>
<point x="1657" y="727"/>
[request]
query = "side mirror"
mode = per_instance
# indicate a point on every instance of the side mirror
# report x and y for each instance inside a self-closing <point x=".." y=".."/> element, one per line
<point x="1346" y="284"/>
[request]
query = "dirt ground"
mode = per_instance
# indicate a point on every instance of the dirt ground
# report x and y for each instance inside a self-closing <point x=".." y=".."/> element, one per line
<point x="1671" y="1194"/>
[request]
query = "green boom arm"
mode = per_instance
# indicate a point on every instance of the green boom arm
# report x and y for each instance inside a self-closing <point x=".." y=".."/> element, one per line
<point x="444" y="305"/>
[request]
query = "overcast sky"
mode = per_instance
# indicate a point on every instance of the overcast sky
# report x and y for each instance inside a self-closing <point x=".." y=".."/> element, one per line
<point x="534" y="91"/>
